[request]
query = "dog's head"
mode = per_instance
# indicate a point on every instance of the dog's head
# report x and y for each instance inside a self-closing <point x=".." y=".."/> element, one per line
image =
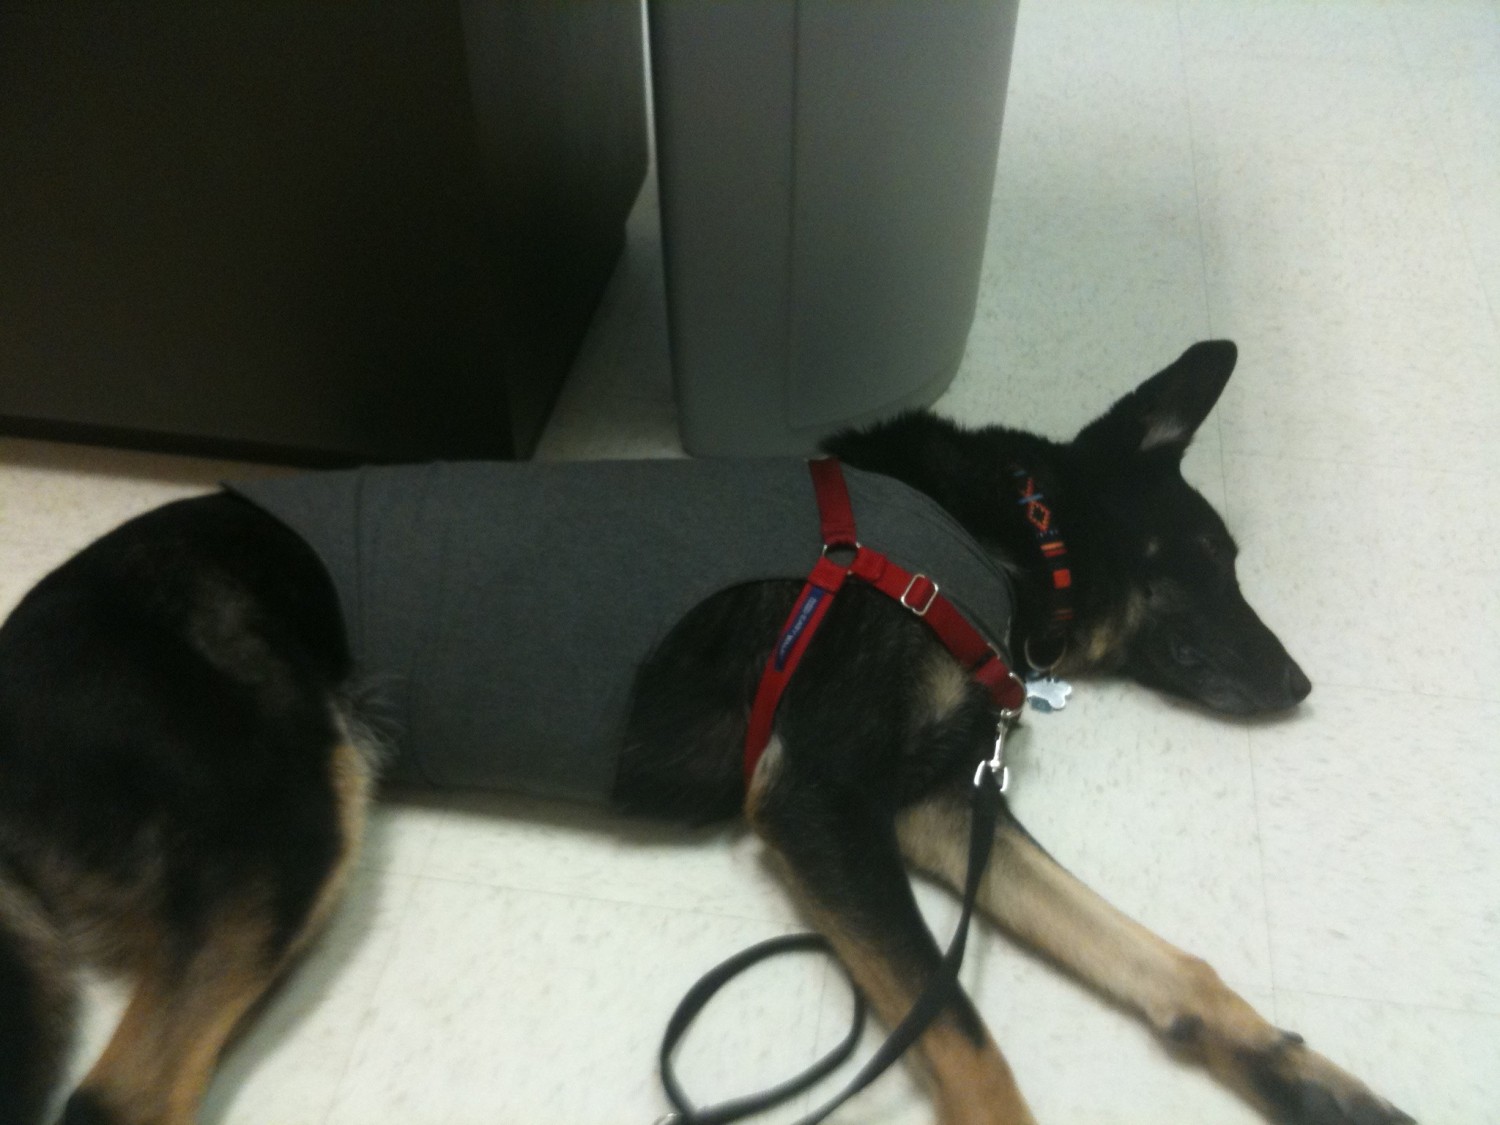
<point x="1153" y="593"/>
<point x="1171" y="613"/>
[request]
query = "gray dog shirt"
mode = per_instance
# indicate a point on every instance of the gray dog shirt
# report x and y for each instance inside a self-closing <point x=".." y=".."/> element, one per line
<point x="501" y="609"/>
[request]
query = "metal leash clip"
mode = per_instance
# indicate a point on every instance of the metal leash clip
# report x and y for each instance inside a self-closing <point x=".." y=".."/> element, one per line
<point x="995" y="764"/>
<point x="1005" y="722"/>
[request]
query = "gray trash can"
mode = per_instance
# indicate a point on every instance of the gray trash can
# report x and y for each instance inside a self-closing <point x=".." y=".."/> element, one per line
<point x="826" y="168"/>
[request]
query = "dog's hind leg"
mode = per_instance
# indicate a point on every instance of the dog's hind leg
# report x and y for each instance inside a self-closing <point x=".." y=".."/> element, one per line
<point x="842" y="858"/>
<point x="182" y="1011"/>
<point x="1035" y="900"/>
<point x="193" y="990"/>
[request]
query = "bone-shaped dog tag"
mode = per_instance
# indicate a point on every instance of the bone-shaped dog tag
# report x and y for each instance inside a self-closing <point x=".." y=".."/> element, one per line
<point x="1047" y="693"/>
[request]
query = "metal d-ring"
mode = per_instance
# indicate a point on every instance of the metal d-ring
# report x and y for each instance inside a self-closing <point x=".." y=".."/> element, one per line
<point x="1043" y="669"/>
<point x="1009" y="715"/>
<point x="854" y="548"/>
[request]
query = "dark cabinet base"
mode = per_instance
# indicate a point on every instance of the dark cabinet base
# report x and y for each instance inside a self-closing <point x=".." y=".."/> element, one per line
<point x="326" y="232"/>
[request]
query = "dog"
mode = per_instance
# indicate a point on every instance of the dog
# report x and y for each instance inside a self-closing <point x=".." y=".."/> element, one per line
<point x="187" y="753"/>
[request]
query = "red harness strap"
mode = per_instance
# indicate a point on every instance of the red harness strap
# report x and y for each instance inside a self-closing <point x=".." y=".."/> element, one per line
<point x="916" y="592"/>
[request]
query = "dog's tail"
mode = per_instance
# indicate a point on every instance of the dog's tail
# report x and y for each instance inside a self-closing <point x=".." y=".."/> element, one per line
<point x="37" y="1004"/>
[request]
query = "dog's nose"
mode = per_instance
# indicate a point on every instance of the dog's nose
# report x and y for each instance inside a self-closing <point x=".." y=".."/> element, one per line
<point x="1295" y="682"/>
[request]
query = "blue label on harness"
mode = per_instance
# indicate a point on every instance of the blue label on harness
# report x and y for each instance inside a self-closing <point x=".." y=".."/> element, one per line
<point x="798" y="623"/>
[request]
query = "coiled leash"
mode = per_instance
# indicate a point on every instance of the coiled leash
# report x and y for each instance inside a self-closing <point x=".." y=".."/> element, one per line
<point x="921" y="596"/>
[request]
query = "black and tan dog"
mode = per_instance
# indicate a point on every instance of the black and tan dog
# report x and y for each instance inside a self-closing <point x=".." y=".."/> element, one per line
<point x="184" y="769"/>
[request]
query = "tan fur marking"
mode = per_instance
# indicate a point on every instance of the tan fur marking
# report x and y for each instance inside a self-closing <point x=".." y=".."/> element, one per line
<point x="353" y="788"/>
<point x="947" y="685"/>
<point x="1101" y="647"/>
<point x="766" y="771"/>
<point x="977" y="1087"/>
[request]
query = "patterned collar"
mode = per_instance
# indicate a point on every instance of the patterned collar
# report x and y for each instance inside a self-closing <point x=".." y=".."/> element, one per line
<point x="1041" y="520"/>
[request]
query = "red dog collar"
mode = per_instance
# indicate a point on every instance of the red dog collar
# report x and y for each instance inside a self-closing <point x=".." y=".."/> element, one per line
<point x="916" y="592"/>
<point x="1042" y="523"/>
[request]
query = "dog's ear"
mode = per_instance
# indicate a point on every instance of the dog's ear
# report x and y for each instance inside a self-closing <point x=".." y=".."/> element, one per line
<point x="1165" y="411"/>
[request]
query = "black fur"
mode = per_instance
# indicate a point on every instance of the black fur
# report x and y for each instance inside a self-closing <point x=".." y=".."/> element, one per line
<point x="84" y="1109"/>
<point x="164" y="709"/>
<point x="37" y="1000"/>
<point x="171" y="699"/>
<point x="26" y="1065"/>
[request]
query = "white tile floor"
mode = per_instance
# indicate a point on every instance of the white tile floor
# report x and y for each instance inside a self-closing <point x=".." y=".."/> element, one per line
<point x="1319" y="181"/>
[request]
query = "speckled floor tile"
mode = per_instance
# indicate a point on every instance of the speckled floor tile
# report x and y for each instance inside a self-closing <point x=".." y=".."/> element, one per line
<point x="1283" y="31"/>
<point x="500" y="1006"/>
<point x="1375" y="575"/>
<point x="1281" y="235"/>
<point x="1453" y="35"/>
<point x="1415" y="385"/>
<point x="1461" y="110"/>
<point x="501" y="841"/>
<point x="1380" y="849"/>
<point x="1279" y="111"/>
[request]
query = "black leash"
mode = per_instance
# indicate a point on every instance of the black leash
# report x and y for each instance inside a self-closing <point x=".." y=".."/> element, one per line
<point x="989" y="783"/>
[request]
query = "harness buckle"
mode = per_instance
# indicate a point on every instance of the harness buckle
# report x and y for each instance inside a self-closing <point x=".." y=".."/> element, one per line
<point x="931" y="595"/>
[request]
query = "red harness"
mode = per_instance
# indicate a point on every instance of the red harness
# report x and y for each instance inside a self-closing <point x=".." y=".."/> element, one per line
<point x="916" y="592"/>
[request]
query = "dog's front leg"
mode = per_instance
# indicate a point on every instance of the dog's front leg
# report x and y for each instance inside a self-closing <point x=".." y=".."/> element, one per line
<point x="841" y="856"/>
<point x="1034" y="899"/>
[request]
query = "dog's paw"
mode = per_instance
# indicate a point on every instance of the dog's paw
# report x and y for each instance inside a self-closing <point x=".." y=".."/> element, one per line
<point x="1318" y="1105"/>
<point x="1301" y="1087"/>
